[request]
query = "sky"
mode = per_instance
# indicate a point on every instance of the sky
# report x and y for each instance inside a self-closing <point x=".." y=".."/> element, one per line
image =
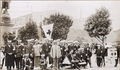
<point x="75" y="9"/>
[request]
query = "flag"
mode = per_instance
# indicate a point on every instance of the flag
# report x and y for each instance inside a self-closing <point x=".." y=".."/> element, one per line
<point x="48" y="30"/>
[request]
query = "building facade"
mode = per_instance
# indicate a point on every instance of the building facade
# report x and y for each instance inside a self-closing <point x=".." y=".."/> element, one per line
<point x="37" y="17"/>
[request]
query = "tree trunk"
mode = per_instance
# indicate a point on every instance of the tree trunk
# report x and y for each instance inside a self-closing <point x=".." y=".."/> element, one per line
<point x="103" y="41"/>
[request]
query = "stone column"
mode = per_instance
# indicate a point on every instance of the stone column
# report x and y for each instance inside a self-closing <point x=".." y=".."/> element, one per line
<point x="4" y="26"/>
<point x="0" y="28"/>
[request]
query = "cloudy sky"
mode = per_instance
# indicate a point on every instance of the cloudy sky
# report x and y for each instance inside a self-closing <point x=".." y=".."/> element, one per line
<point x="76" y="9"/>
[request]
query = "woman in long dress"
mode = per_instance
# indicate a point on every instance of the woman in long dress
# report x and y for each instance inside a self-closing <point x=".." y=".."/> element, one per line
<point x="9" y="60"/>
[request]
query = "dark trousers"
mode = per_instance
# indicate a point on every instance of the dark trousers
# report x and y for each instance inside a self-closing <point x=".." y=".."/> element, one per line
<point x="8" y="67"/>
<point x="3" y="61"/>
<point x="103" y="57"/>
<point x="116" y="62"/>
<point x="32" y="59"/>
<point x="99" y="61"/>
<point x="89" y="61"/>
<point x="18" y="62"/>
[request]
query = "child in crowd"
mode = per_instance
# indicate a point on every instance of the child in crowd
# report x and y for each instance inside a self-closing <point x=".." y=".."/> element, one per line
<point x="27" y="62"/>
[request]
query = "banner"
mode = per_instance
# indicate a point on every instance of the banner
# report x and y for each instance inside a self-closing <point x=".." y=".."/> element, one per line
<point x="48" y="30"/>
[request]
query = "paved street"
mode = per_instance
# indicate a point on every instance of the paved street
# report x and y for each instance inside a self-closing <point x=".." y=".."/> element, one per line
<point x="109" y="66"/>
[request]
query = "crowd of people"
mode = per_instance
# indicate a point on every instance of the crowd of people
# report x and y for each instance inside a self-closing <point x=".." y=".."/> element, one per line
<point x="34" y="53"/>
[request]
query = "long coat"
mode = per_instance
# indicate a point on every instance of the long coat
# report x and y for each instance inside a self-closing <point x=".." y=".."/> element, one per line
<point x="55" y="51"/>
<point x="9" y="60"/>
<point x="37" y="49"/>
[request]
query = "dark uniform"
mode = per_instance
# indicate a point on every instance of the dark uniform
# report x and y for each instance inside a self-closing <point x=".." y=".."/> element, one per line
<point x="116" y="60"/>
<point x="62" y="54"/>
<point x="28" y="49"/>
<point x="100" y="54"/>
<point x="82" y="57"/>
<point x="18" y="56"/>
<point x="45" y="49"/>
<point x="88" y="54"/>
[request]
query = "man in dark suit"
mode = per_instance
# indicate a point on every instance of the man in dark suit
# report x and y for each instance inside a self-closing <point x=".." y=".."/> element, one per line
<point x="28" y="49"/>
<point x="88" y="54"/>
<point x="100" y="54"/>
<point x="116" y="60"/>
<point x="18" y="55"/>
<point x="45" y="49"/>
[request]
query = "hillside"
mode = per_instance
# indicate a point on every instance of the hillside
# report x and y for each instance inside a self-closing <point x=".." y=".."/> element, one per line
<point x="74" y="33"/>
<point x="78" y="23"/>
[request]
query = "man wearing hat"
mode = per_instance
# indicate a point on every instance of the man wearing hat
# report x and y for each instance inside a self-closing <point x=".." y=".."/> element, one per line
<point x="28" y="49"/>
<point x="37" y="49"/>
<point x="55" y="54"/>
<point x="45" y="48"/>
<point x="88" y="54"/>
<point x="9" y="50"/>
<point x="100" y="55"/>
<point x="18" y="54"/>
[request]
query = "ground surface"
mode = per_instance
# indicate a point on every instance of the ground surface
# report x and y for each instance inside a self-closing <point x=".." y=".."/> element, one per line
<point x="109" y="66"/>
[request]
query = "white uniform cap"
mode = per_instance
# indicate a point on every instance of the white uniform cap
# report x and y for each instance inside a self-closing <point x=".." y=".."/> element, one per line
<point x="26" y="54"/>
<point x="9" y="41"/>
<point x="43" y="55"/>
<point x="19" y="40"/>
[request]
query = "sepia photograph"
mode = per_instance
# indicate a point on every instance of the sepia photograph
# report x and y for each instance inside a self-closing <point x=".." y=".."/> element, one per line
<point x="59" y="35"/>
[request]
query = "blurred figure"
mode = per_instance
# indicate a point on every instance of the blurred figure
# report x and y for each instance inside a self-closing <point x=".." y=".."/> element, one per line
<point x="18" y="54"/>
<point x="37" y="48"/>
<point x="45" y="48"/>
<point x="9" y="50"/>
<point x="3" y="56"/>
<point x="43" y="62"/>
<point x="88" y="54"/>
<point x="116" y="60"/>
<point x="27" y="63"/>
<point x="100" y="54"/>
<point x="55" y="54"/>
<point x="28" y="49"/>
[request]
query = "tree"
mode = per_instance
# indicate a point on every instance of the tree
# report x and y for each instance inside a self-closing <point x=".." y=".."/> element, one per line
<point x="98" y="25"/>
<point x="61" y="26"/>
<point x="8" y="36"/>
<point x="29" y="31"/>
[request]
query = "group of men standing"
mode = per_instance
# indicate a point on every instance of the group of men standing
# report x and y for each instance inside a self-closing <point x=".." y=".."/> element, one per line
<point x="108" y="51"/>
<point x="56" y="51"/>
<point x="14" y="52"/>
<point x="26" y="56"/>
